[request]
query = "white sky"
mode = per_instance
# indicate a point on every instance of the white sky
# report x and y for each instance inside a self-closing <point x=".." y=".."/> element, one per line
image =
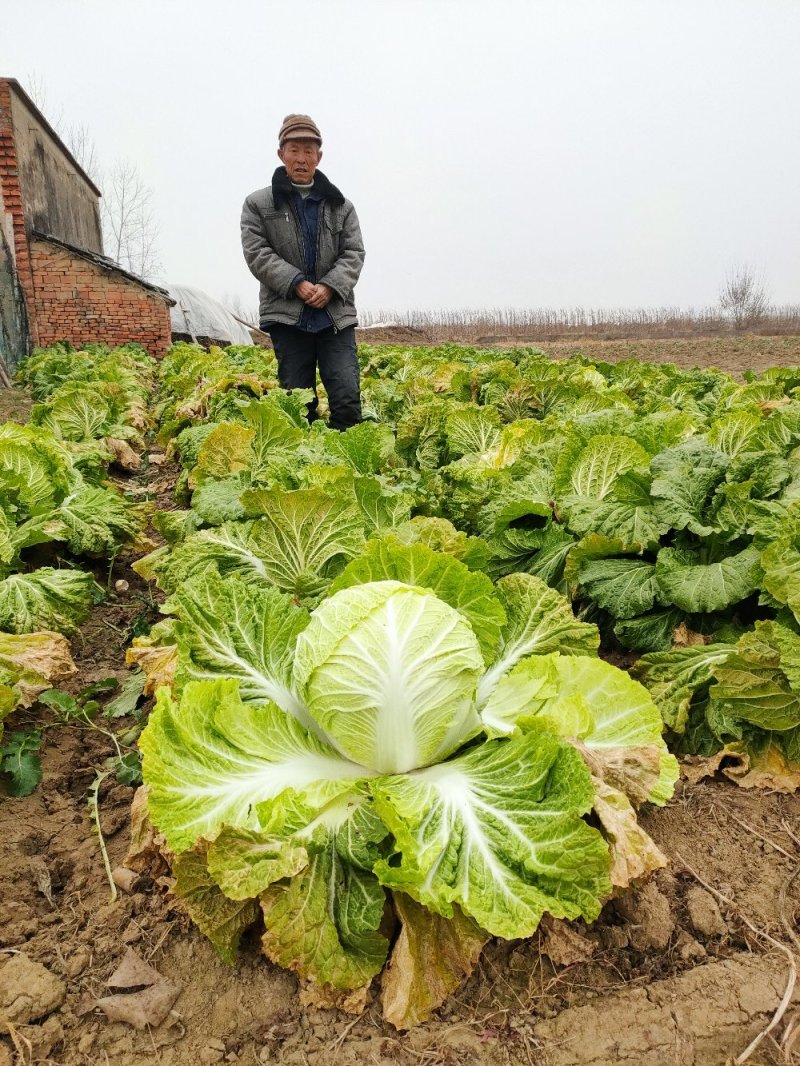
<point x="538" y="153"/>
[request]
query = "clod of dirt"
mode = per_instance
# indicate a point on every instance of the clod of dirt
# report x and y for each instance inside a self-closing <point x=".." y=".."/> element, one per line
<point x="77" y="962"/>
<point x="112" y="821"/>
<point x="6" y="1058"/>
<point x="649" y="918"/>
<point x="564" y="945"/>
<point x="149" y="996"/>
<point x="41" y="1039"/>
<point x="614" y="937"/>
<point x="86" y="1043"/>
<point x="132" y="933"/>
<point x="688" y="948"/>
<point x="18" y="923"/>
<point x="33" y="842"/>
<point x="704" y="914"/>
<point x="28" y="991"/>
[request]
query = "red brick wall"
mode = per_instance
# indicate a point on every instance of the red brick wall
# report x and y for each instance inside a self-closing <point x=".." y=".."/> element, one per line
<point x="79" y="301"/>
<point x="11" y="202"/>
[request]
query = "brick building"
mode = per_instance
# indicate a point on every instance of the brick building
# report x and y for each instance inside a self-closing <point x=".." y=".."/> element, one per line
<point x="55" y="282"/>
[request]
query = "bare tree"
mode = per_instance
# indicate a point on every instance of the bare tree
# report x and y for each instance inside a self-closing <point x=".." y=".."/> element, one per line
<point x="37" y="90"/>
<point x="743" y="297"/>
<point x="81" y="143"/>
<point x="130" y="230"/>
<point x="77" y="138"/>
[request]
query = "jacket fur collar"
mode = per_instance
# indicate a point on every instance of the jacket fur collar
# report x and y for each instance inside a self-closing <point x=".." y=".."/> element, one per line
<point x="282" y="189"/>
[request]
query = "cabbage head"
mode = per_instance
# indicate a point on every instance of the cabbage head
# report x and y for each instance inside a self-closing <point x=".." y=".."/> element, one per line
<point x="422" y="750"/>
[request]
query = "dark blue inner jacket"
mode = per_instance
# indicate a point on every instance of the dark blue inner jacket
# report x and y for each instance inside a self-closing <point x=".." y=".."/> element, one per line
<point x="313" y="319"/>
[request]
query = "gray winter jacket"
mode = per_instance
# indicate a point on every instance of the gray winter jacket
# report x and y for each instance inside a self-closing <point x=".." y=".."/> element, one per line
<point x="273" y="247"/>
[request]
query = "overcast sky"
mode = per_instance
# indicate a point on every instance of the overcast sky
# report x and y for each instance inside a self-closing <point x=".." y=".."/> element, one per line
<point x="558" y="153"/>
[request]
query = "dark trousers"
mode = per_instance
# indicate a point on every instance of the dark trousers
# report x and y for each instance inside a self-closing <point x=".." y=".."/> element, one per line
<point x="299" y="353"/>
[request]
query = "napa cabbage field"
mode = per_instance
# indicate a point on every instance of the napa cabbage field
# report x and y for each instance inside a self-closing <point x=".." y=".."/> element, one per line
<point x="63" y="518"/>
<point x="414" y="681"/>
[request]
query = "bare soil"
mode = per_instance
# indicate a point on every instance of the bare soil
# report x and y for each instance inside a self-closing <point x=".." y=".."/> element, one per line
<point x="734" y="354"/>
<point x="15" y="405"/>
<point x="665" y="976"/>
<point x="671" y="978"/>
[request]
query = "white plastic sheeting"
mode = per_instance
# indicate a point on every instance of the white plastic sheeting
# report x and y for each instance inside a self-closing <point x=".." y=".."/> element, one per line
<point x="197" y="314"/>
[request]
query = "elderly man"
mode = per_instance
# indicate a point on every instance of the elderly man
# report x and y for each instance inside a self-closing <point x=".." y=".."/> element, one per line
<point x="301" y="239"/>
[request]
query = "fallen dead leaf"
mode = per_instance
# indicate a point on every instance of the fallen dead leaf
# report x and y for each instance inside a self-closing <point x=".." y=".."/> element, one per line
<point x="148" y="996"/>
<point x="683" y="637"/>
<point x="770" y="770"/>
<point x="43" y="660"/>
<point x="695" y="767"/>
<point x="123" y="455"/>
<point x="327" y="998"/>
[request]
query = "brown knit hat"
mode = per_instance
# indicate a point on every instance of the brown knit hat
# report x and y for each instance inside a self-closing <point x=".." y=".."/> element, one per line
<point x="297" y="126"/>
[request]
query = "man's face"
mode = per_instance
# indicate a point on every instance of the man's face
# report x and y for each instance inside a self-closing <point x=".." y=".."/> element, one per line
<point x="301" y="158"/>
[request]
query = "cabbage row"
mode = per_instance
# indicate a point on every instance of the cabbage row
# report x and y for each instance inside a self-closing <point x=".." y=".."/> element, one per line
<point x="57" y="505"/>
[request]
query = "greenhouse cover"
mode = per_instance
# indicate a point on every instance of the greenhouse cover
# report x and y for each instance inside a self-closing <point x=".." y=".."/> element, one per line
<point x="198" y="315"/>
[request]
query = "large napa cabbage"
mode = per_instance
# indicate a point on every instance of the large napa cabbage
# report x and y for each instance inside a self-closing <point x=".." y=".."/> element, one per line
<point x="421" y="731"/>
